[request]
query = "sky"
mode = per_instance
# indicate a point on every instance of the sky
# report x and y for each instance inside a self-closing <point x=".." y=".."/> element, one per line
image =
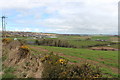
<point x="61" y="16"/>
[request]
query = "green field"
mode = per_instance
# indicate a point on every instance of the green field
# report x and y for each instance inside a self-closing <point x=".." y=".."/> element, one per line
<point x="87" y="43"/>
<point x="101" y="37"/>
<point x="107" y="60"/>
<point x="81" y="41"/>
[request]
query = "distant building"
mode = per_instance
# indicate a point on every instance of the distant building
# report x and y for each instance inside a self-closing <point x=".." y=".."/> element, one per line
<point x="32" y="34"/>
<point x="100" y="40"/>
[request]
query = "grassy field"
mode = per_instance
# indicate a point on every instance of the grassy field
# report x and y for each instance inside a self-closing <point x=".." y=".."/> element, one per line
<point x="92" y="37"/>
<point x="101" y="37"/>
<point x="107" y="60"/>
<point x="81" y="41"/>
<point x="87" y="43"/>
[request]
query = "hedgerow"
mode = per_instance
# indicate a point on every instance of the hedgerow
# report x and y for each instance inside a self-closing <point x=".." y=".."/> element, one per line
<point x="54" y="42"/>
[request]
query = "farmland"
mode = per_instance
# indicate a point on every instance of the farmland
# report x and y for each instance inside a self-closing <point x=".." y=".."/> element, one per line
<point x="76" y="49"/>
<point x="107" y="60"/>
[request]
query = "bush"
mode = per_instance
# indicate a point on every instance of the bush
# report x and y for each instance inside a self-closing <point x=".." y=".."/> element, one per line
<point x="53" y="42"/>
<point x="24" y="50"/>
<point x="6" y="40"/>
<point x="84" y="71"/>
<point x="57" y="67"/>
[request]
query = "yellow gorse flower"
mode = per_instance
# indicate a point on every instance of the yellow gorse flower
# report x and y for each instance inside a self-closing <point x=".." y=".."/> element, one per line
<point x="62" y="61"/>
<point x="46" y="56"/>
<point x="24" y="47"/>
<point x="6" y="40"/>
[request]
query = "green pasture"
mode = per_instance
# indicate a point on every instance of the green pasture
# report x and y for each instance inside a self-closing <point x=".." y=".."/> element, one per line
<point x="87" y="43"/>
<point x="106" y="59"/>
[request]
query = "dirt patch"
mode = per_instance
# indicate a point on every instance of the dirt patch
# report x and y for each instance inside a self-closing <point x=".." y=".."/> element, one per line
<point x="27" y="67"/>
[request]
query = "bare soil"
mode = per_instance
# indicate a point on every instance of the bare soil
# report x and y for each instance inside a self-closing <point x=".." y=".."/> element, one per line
<point x="27" y="67"/>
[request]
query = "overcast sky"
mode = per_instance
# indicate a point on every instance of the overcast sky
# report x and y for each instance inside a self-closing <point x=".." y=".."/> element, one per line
<point x="61" y="16"/>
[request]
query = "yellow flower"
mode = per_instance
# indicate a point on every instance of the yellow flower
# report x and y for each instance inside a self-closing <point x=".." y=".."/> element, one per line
<point x="24" y="47"/>
<point x="6" y="40"/>
<point x="62" y="61"/>
<point x="42" y="59"/>
<point x="46" y="56"/>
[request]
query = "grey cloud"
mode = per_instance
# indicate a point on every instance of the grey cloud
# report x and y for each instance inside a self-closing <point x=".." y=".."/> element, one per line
<point x="73" y="16"/>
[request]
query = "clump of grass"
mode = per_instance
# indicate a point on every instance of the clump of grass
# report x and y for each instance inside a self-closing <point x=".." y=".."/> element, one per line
<point x="8" y="73"/>
<point x="4" y="58"/>
<point x="57" y="67"/>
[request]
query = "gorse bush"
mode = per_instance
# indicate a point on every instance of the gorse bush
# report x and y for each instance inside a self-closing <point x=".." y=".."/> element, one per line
<point x="24" y="47"/>
<point x="85" y="71"/>
<point x="53" y="65"/>
<point x="57" y="67"/>
<point x="24" y="50"/>
<point x="6" y="40"/>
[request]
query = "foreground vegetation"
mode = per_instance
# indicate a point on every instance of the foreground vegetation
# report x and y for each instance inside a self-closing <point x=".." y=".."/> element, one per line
<point x="59" y="68"/>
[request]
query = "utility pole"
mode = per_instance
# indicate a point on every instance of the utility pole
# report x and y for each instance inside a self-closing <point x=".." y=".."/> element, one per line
<point x="3" y="26"/>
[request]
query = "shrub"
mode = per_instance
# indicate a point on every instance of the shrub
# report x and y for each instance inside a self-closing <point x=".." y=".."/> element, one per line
<point x="6" y="40"/>
<point x="53" y="65"/>
<point x="57" y="67"/>
<point x="24" y="50"/>
<point x="53" y="42"/>
<point x="84" y="71"/>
